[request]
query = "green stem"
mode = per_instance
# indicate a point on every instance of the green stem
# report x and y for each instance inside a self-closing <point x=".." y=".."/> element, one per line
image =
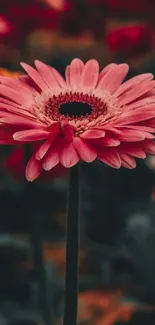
<point x="72" y="248"/>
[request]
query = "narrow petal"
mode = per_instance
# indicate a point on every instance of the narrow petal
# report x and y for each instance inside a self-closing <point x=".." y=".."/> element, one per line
<point x="30" y="135"/>
<point x="85" y="150"/>
<point x="67" y="75"/>
<point x="110" y="141"/>
<point x="135" y="92"/>
<point x="133" y="82"/>
<point x="135" y="150"/>
<point x="149" y="146"/>
<point x="129" y="135"/>
<point x="89" y="75"/>
<point x="76" y="68"/>
<point x="109" y="157"/>
<point x="15" y="95"/>
<point x="48" y="75"/>
<point x="20" y="121"/>
<point x="67" y="129"/>
<point x="33" y="169"/>
<point x="68" y="155"/>
<point x="105" y="71"/>
<point x="35" y="76"/>
<point x="113" y="79"/>
<point x="93" y="134"/>
<point x="136" y="116"/>
<point x="51" y="159"/>
<point x="127" y="161"/>
<point x="45" y="146"/>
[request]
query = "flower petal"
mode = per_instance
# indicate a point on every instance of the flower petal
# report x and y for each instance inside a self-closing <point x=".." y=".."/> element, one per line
<point x="67" y="129"/>
<point x="149" y="146"/>
<point x="93" y="134"/>
<point x="105" y="71"/>
<point x="129" y="135"/>
<point x="35" y="76"/>
<point x="89" y="75"/>
<point x="67" y="75"/>
<point x="30" y="135"/>
<point x="135" y="150"/>
<point x="76" y="68"/>
<point x="33" y="169"/>
<point x="45" y="146"/>
<point x="20" y="121"/>
<point x="68" y="155"/>
<point x="110" y="141"/>
<point x="85" y="150"/>
<point x="48" y="75"/>
<point x="109" y="157"/>
<point x="135" y="92"/>
<point x="127" y="161"/>
<point x="113" y="79"/>
<point x="133" y="82"/>
<point x="15" y="95"/>
<point x="51" y="159"/>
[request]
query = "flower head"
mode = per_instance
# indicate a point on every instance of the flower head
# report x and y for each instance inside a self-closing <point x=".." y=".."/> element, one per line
<point x="87" y="116"/>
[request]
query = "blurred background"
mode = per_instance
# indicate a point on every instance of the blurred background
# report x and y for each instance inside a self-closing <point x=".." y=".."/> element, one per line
<point x="117" y="253"/>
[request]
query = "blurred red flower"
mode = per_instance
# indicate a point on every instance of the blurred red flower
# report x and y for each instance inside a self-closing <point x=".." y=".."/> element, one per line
<point x="130" y="40"/>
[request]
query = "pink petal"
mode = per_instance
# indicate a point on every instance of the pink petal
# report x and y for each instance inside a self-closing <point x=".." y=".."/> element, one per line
<point x="113" y="79"/>
<point x="35" y="76"/>
<point x="15" y="95"/>
<point x="105" y="71"/>
<point x="89" y="75"/>
<point x="109" y="157"/>
<point x="29" y="82"/>
<point x="149" y="146"/>
<point x="110" y="141"/>
<point x="129" y="135"/>
<point x="133" y="150"/>
<point x="135" y="92"/>
<point x="48" y="75"/>
<point x="132" y="82"/>
<point x="67" y="74"/>
<point x="137" y="115"/>
<point x="93" y="134"/>
<point x="30" y="135"/>
<point x="68" y="155"/>
<point x="127" y="161"/>
<point x="20" y="121"/>
<point x="76" y="68"/>
<point x="51" y="159"/>
<point x="33" y="169"/>
<point x="141" y="103"/>
<point x="45" y="146"/>
<point x="59" y="78"/>
<point x="17" y="83"/>
<point x="67" y="129"/>
<point x="85" y="151"/>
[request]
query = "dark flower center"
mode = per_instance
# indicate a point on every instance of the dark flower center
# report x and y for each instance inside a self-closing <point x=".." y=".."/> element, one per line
<point x="75" y="109"/>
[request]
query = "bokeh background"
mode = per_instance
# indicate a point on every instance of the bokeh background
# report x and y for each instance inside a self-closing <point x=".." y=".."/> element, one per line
<point x="117" y="254"/>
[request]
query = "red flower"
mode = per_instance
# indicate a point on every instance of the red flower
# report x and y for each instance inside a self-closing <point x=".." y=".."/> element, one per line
<point x="129" y="40"/>
<point x="88" y="116"/>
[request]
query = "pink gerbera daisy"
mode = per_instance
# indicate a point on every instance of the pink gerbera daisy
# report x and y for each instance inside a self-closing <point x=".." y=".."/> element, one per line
<point x="87" y="116"/>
